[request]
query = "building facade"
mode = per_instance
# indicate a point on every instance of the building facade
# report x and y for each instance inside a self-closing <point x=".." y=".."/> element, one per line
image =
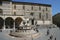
<point x="12" y="13"/>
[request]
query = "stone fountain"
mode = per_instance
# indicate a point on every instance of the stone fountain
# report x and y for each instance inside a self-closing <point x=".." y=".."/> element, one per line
<point x="24" y="31"/>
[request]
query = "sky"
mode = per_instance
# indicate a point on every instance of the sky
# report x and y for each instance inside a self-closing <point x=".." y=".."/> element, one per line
<point x="55" y="4"/>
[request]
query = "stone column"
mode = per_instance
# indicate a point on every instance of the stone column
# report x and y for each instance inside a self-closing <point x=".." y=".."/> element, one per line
<point x="14" y="26"/>
<point x="4" y="25"/>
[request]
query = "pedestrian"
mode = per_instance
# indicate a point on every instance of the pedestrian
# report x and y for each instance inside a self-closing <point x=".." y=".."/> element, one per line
<point x="48" y="39"/>
<point x="48" y="32"/>
<point x="0" y="30"/>
<point x="37" y="30"/>
<point x="55" y="38"/>
<point x="51" y="37"/>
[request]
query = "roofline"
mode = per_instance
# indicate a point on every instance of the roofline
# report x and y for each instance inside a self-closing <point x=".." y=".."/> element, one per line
<point x="5" y="0"/>
<point x="32" y="3"/>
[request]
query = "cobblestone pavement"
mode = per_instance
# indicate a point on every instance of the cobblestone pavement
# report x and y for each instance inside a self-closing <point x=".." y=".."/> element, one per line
<point x="54" y="31"/>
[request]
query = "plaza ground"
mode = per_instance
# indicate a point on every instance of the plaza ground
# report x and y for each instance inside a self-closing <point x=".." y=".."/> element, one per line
<point x="43" y="35"/>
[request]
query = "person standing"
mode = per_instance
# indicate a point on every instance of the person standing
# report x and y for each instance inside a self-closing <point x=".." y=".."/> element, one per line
<point x="55" y="38"/>
<point x="51" y="37"/>
<point x="48" y="32"/>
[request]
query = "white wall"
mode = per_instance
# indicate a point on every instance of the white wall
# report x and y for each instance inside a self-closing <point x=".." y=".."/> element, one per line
<point x="28" y="7"/>
<point x="19" y="7"/>
<point x="7" y="7"/>
<point x="39" y="22"/>
<point x="45" y="22"/>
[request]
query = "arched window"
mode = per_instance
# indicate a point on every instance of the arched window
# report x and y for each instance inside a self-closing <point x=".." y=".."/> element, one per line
<point x="9" y="22"/>
<point x="14" y="13"/>
<point x="40" y="15"/>
<point x="32" y="8"/>
<point x="1" y="11"/>
<point x="1" y="2"/>
<point x="39" y="8"/>
<point x="14" y="6"/>
<point x="31" y="14"/>
<point x="46" y="9"/>
<point x="32" y="21"/>
<point x="1" y="23"/>
<point x="46" y="15"/>
<point x="23" y="7"/>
